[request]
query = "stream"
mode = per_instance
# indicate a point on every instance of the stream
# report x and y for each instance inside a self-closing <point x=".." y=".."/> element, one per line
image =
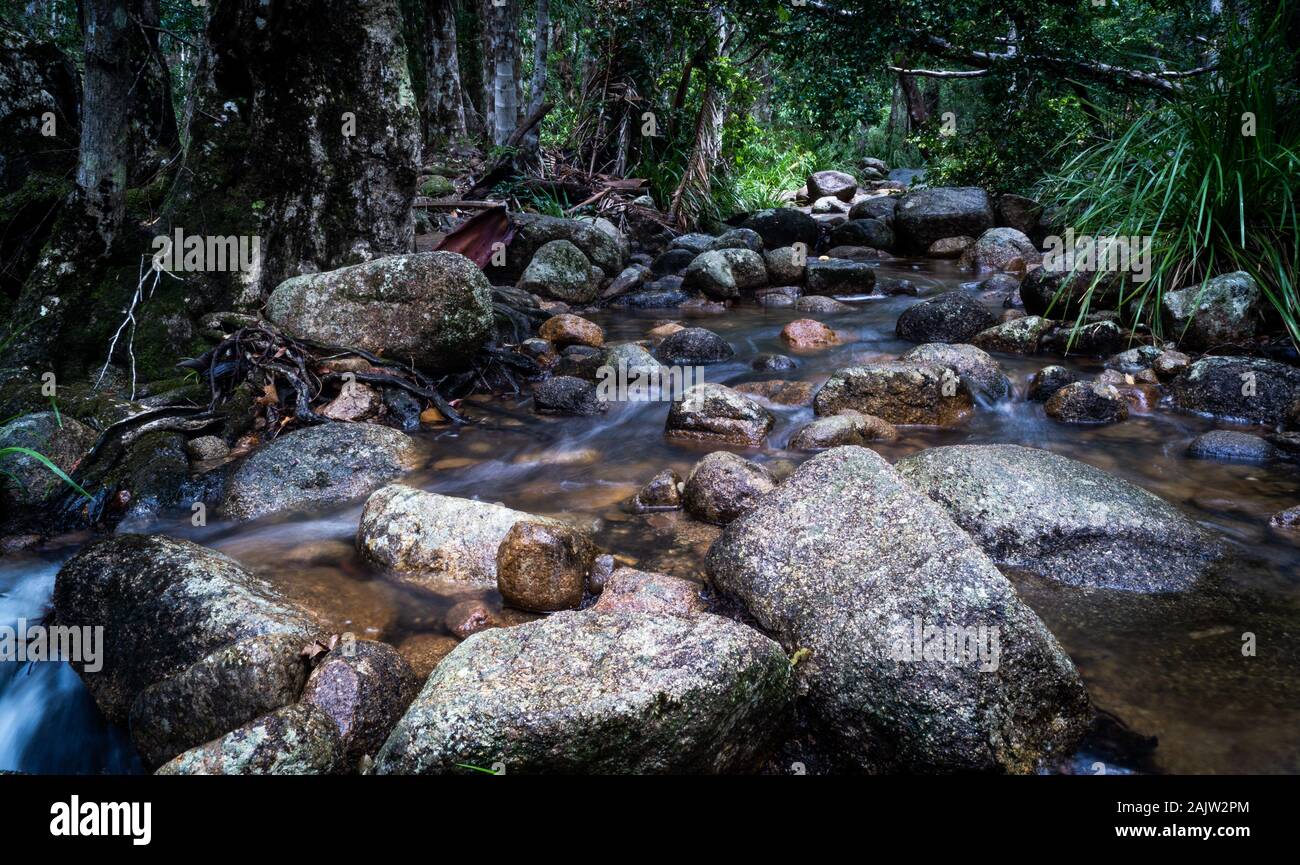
<point x="1167" y="670"/>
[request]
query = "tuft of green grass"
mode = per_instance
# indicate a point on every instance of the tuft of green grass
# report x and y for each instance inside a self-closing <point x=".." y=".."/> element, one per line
<point x="1188" y="173"/>
<point x="43" y="460"/>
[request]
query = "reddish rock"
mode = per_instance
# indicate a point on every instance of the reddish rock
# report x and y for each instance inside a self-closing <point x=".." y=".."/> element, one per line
<point x="807" y="334"/>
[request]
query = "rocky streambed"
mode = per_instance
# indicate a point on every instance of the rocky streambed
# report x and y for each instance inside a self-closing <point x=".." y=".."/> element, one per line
<point x="582" y="583"/>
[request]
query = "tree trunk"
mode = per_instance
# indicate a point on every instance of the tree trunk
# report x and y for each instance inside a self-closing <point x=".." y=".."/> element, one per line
<point x="307" y="136"/>
<point x="444" y="104"/>
<point x="541" y="50"/>
<point x="128" y="129"/>
<point x="501" y="67"/>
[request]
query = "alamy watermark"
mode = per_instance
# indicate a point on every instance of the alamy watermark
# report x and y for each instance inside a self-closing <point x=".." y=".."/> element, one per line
<point x="82" y="645"/>
<point x="918" y="640"/>
<point x="1103" y="253"/>
<point x="196" y="253"/>
<point x="623" y="383"/>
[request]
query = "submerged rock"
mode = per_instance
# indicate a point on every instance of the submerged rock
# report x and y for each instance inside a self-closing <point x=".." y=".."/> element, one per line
<point x="431" y="307"/>
<point x="1241" y="388"/>
<point x="431" y="538"/>
<point x="164" y="605"/>
<point x="1232" y="446"/>
<point x="900" y="393"/>
<point x="1063" y="519"/>
<point x="601" y="693"/>
<point x="722" y="486"/>
<point x="320" y="465"/>
<point x="714" y="413"/>
<point x="227" y="689"/>
<point x="297" y="740"/>
<point x="364" y="687"/>
<point x="846" y="561"/>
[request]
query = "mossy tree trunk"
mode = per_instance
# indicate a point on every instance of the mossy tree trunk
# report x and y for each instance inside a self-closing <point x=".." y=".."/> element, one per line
<point x="444" y="102"/>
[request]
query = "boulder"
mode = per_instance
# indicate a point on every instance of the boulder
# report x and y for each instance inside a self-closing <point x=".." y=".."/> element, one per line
<point x="542" y="566"/>
<point x="1001" y="249"/>
<point x="631" y="591"/>
<point x="1063" y="519"/>
<point x="1094" y="338"/>
<point x="786" y="265"/>
<point x="1048" y="381"/>
<point x="738" y="238"/>
<point x="863" y="232"/>
<point x="1087" y="402"/>
<point x="849" y="563"/>
<point x="566" y="330"/>
<point x="927" y="215"/>
<point x="832" y="276"/>
<point x="694" y="345"/>
<point x="602" y="245"/>
<point x="569" y="396"/>
<point x="774" y="363"/>
<point x="1238" y="388"/>
<point x="879" y="207"/>
<point x="561" y="271"/>
<point x="229" y="688"/>
<point x="695" y="243"/>
<point x="849" y="427"/>
<point x="364" y="687"/>
<point x="164" y="605"/>
<point x="780" y="391"/>
<point x="1224" y="311"/>
<point x="1232" y="446"/>
<point x="296" y="740"/>
<point x="62" y="440"/>
<point x="672" y="262"/>
<point x="427" y="538"/>
<point x="977" y="370"/>
<point x="725" y="273"/>
<point x="949" y="247"/>
<point x="714" y="413"/>
<point x="835" y="184"/>
<point x="317" y="466"/>
<point x="433" y="308"/>
<point x="953" y="316"/>
<point x="599" y="693"/>
<point x="1019" y="336"/>
<point x="722" y="486"/>
<point x="783" y="226"/>
<point x="1046" y="290"/>
<point x="900" y="393"/>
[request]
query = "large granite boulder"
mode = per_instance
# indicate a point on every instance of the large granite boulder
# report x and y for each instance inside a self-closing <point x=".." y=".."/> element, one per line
<point x="1224" y="311"/>
<point x="1241" y="388"/>
<point x="296" y="740"/>
<point x="927" y="215"/>
<point x="900" y="393"/>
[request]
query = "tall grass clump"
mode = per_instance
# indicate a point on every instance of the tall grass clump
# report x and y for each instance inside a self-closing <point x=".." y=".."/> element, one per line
<point x="1187" y="173"/>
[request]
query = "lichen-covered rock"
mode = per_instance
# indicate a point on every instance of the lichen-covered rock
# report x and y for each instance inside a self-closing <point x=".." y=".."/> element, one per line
<point x="427" y="538"/>
<point x="783" y="226"/>
<point x="164" y="605"/>
<point x="848" y="427"/>
<point x="631" y="591"/>
<point x="722" y="486"/>
<point x="1094" y="338"/>
<point x="364" y="687"/>
<point x="953" y="316"/>
<point x="1224" y="311"/>
<point x="296" y="740"/>
<point x="726" y="273"/>
<point x="603" y="693"/>
<point x="320" y="465"/>
<point x="900" y="393"/>
<point x="1240" y="388"/>
<point x="1063" y="519"/>
<point x="1022" y="335"/>
<point x="434" y="308"/>
<point x="927" y="215"/>
<point x="1087" y="402"/>
<point x="786" y="266"/>
<point x="1001" y="249"/>
<point x="603" y="248"/>
<point x="978" y="371"/>
<point x="542" y="566"/>
<point x="561" y="271"/>
<point x="714" y="413"/>
<point x="227" y="689"/>
<point x="62" y="440"/>
<point x="846" y="561"/>
<point x="833" y="276"/>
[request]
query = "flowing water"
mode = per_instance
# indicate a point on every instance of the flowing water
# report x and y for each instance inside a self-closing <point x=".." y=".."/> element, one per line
<point x="1168" y="671"/>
